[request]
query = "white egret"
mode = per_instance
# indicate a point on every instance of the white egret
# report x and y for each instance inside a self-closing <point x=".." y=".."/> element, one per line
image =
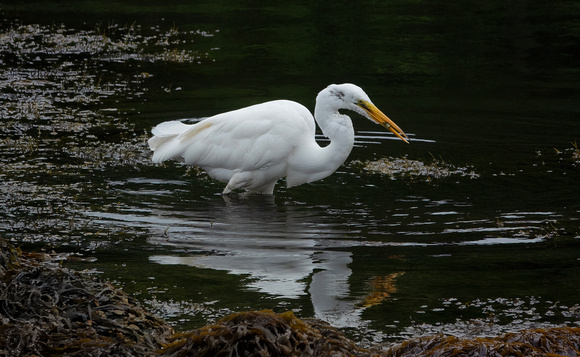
<point x="251" y="148"/>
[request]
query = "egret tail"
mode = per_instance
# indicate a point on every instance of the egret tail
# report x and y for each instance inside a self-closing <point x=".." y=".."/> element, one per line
<point x="165" y="142"/>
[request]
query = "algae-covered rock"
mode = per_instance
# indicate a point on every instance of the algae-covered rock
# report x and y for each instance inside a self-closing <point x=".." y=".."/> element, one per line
<point x="49" y="310"/>
<point x="557" y="341"/>
<point x="264" y="333"/>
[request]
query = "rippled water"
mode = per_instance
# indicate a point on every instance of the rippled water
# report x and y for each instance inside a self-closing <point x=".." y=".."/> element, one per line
<point x="471" y="229"/>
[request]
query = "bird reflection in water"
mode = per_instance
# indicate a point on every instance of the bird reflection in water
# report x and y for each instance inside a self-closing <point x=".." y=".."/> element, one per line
<point x="287" y="253"/>
<point x="382" y="287"/>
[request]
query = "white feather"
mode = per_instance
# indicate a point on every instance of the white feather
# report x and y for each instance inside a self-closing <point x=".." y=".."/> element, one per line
<point x="251" y="148"/>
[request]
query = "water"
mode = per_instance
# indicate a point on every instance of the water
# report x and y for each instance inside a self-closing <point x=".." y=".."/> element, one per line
<point x="472" y="230"/>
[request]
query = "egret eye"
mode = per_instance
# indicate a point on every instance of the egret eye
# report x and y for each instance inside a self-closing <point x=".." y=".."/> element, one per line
<point x="361" y="103"/>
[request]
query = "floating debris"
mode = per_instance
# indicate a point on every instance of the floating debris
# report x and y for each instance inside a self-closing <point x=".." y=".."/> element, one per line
<point x="113" y="43"/>
<point x="492" y="317"/>
<point x="62" y="130"/>
<point x="408" y="169"/>
<point x="562" y="159"/>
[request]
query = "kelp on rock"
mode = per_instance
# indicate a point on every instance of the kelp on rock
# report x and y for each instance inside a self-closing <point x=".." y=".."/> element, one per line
<point x="46" y="309"/>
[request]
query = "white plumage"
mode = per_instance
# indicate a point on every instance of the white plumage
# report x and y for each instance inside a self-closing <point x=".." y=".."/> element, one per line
<point x="251" y="148"/>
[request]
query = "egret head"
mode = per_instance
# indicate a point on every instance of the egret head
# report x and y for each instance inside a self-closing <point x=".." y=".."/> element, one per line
<point x="352" y="97"/>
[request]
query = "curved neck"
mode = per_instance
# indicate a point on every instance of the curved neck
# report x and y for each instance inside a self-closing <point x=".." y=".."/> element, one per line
<point x="338" y="128"/>
<point x="313" y="162"/>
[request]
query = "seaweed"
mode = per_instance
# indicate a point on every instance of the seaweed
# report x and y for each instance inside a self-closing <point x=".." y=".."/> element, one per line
<point x="264" y="333"/>
<point x="48" y="310"/>
<point x="557" y="341"/>
<point x="404" y="168"/>
<point x="63" y="101"/>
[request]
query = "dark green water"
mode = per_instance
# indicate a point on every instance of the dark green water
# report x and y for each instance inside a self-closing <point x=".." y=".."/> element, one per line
<point x="491" y="91"/>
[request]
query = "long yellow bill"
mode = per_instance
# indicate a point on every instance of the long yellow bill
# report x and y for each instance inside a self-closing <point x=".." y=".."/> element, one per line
<point x="382" y="119"/>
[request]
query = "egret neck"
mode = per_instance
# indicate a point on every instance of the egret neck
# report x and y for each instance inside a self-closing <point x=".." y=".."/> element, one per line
<point x="320" y="162"/>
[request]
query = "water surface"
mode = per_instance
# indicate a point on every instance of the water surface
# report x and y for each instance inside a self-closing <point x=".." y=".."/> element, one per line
<point x="473" y="230"/>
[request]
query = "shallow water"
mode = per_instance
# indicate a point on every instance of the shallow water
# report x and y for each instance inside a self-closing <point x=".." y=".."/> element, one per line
<point x="471" y="229"/>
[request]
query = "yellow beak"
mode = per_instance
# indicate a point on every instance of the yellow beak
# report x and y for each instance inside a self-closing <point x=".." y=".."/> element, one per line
<point x="382" y="119"/>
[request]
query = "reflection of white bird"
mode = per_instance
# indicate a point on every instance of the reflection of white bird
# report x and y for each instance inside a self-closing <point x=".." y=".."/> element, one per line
<point x="251" y="148"/>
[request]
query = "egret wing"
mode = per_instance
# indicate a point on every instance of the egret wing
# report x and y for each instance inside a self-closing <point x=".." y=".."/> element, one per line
<point x="248" y="139"/>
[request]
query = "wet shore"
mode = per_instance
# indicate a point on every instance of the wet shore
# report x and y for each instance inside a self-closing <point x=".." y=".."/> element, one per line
<point x="49" y="310"/>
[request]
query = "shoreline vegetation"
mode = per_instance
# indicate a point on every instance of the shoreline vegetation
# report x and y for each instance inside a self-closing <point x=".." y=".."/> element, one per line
<point x="49" y="310"/>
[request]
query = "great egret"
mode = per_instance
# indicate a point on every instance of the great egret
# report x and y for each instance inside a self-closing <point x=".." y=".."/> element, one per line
<point x="251" y="148"/>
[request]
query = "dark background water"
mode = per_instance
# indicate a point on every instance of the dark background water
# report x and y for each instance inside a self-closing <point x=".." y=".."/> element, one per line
<point x="491" y="88"/>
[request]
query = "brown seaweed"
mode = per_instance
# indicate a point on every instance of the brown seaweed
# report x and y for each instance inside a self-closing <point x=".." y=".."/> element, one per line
<point x="557" y="341"/>
<point x="48" y="310"/>
<point x="264" y="333"/>
<point x="403" y="168"/>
